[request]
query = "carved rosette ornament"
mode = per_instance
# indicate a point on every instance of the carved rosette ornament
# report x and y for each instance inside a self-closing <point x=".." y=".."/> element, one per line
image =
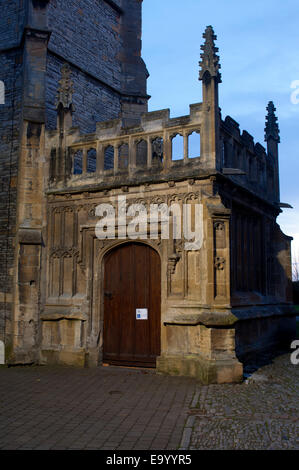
<point x="219" y="263"/>
<point x="219" y="226"/>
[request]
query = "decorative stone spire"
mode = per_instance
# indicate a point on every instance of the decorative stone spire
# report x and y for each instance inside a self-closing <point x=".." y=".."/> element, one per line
<point x="210" y="77"/>
<point x="65" y="91"/>
<point x="271" y="129"/>
<point x="210" y="60"/>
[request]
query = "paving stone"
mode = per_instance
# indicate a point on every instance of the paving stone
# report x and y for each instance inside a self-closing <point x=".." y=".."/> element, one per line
<point x="115" y="424"/>
<point x="257" y="414"/>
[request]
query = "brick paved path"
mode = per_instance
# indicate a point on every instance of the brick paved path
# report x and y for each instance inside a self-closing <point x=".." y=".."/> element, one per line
<point x="113" y="408"/>
<point x="103" y="408"/>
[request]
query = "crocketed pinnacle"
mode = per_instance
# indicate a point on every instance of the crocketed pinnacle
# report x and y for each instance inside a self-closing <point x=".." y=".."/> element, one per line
<point x="271" y="129"/>
<point x="65" y="91"/>
<point x="209" y="59"/>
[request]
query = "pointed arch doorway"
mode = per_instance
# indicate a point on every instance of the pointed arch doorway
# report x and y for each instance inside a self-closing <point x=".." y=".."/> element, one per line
<point x="132" y="306"/>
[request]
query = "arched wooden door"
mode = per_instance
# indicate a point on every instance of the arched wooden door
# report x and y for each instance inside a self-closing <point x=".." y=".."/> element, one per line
<point x="132" y="306"/>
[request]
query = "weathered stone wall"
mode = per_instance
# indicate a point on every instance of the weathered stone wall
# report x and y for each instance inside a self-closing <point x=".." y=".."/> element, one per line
<point x="92" y="101"/>
<point x="264" y="335"/>
<point x="11" y="68"/>
<point x="56" y="303"/>
<point x="102" y="45"/>
<point x="86" y="35"/>
<point x="96" y="38"/>
<point x="12" y="21"/>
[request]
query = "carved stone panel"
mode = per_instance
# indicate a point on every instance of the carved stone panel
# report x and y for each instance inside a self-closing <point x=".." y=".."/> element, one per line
<point x="220" y="260"/>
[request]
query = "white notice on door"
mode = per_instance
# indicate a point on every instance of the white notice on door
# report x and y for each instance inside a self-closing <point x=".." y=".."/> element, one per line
<point x="141" y="314"/>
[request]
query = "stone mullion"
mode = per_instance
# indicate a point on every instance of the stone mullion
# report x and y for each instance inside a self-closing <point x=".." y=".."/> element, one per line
<point x="52" y="228"/>
<point x="218" y="264"/>
<point x="89" y="276"/>
<point x="210" y="262"/>
<point x="251" y="255"/>
<point x="74" y="276"/>
<point x="75" y="244"/>
<point x="267" y="256"/>
<point x="186" y="147"/>
<point x="62" y="241"/>
<point x="149" y="152"/>
<point x="115" y="158"/>
<point x="260" y="254"/>
<point x="171" y="256"/>
<point x="132" y="154"/>
<point x="221" y="260"/>
<point x="62" y="227"/>
<point x="100" y="158"/>
<point x="218" y="261"/>
<point x="50" y="280"/>
<point x="265" y="272"/>
<point x="245" y="253"/>
<point x="228" y="261"/>
<point x="51" y="231"/>
<point x="168" y="151"/>
<point x="57" y="162"/>
<point x="75" y="229"/>
<point x="185" y="271"/>
<point x="84" y="161"/>
<point x="61" y="266"/>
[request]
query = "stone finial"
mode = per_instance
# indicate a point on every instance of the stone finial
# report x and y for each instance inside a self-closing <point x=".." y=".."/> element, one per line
<point x="65" y="90"/>
<point x="271" y="129"/>
<point x="210" y="60"/>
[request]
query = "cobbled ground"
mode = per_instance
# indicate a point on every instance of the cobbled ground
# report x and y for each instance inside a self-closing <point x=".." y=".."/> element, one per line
<point x="261" y="413"/>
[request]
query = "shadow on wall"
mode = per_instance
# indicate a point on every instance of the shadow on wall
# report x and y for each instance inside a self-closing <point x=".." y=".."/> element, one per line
<point x="270" y="326"/>
<point x="2" y="353"/>
<point x="296" y="294"/>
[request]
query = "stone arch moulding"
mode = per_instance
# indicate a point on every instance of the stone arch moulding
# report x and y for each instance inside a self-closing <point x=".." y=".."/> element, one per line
<point x="145" y="279"/>
<point x="97" y="250"/>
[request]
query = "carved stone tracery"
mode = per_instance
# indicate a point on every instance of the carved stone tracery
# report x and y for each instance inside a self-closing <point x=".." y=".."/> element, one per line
<point x="65" y="91"/>
<point x="56" y="252"/>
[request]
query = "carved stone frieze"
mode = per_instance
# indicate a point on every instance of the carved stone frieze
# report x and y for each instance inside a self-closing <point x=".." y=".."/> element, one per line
<point x="63" y="252"/>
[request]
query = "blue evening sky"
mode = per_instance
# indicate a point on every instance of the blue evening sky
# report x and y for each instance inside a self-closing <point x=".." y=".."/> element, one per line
<point x="259" y="53"/>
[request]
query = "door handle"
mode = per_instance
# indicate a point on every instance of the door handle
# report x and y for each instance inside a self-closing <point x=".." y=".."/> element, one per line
<point x="108" y="294"/>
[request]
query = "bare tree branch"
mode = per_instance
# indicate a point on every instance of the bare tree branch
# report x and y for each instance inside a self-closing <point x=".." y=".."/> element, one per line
<point x="295" y="266"/>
